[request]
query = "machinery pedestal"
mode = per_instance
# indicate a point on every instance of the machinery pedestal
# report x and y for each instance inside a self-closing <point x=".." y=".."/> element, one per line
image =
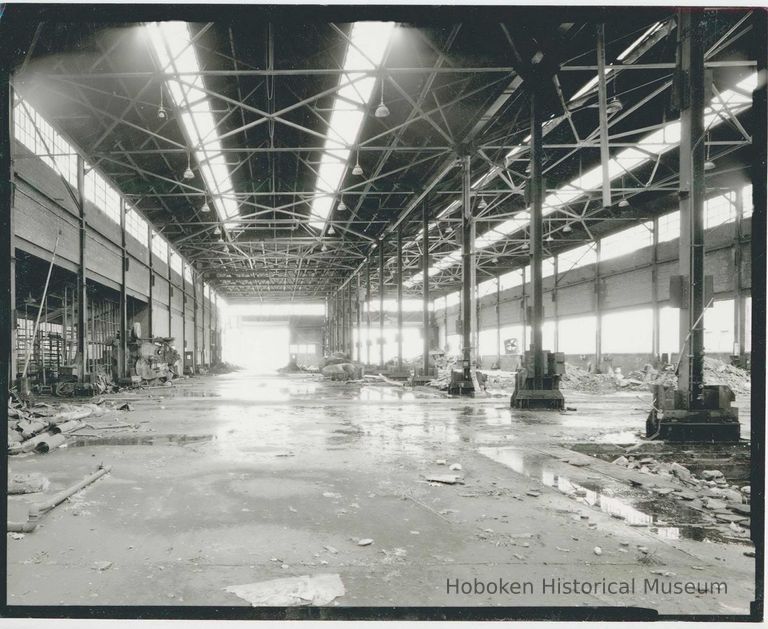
<point x="715" y="421"/>
<point x="545" y="396"/>
<point x="463" y="382"/>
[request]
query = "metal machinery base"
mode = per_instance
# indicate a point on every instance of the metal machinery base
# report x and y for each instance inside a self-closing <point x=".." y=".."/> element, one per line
<point x="715" y="421"/>
<point x="463" y="382"/>
<point x="548" y="396"/>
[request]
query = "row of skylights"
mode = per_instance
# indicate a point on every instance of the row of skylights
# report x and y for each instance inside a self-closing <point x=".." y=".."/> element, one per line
<point x="649" y="148"/>
<point x="172" y="42"/>
<point x="367" y="46"/>
<point x="455" y="257"/>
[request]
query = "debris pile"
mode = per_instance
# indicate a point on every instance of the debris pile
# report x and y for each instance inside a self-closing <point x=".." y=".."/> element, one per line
<point x="339" y="366"/>
<point x="715" y="372"/>
<point x="40" y="427"/>
<point x="710" y="491"/>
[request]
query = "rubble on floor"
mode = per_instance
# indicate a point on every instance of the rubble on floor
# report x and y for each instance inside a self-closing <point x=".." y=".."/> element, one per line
<point x="223" y="367"/>
<point x="318" y="589"/>
<point x="41" y="427"/>
<point x="339" y="366"/>
<point x="726" y="503"/>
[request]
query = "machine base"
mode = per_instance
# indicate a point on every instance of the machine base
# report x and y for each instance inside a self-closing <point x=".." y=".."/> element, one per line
<point x="672" y="421"/>
<point x="541" y="399"/>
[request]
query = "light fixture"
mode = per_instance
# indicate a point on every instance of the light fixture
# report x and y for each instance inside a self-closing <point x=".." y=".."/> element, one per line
<point x="324" y="247"/>
<point x="220" y="239"/>
<point x="708" y="163"/>
<point x="188" y="174"/>
<point x="382" y="111"/>
<point x="623" y="203"/>
<point x="483" y="204"/>
<point x="614" y="106"/>
<point x="217" y="231"/>
<point x="331" y="230"/>
<point x="341" y="207"/>
<point x="161" y="113"/>
<point x="495" y="260"/>
<point x="567" y="228"/>
<point x="549" y="237"/>
<point x="205" y="208"/>
<point x="525" y="245"/>
<point x="357" y="171"/>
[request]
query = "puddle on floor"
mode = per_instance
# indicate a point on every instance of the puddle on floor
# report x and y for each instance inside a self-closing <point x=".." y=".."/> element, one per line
<point x="148" y="440"/>
<point x="665" y="517"/>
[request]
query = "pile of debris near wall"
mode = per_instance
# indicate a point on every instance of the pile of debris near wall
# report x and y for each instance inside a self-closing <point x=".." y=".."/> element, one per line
<point x="339" y="366"/>
<point x="715" y="372"/>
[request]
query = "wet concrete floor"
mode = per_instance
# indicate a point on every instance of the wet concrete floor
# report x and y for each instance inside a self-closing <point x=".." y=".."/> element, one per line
<point x="240" y="478"/>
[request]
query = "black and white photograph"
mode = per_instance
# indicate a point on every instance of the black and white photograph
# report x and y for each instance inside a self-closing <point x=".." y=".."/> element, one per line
<point x="383" y="312"/>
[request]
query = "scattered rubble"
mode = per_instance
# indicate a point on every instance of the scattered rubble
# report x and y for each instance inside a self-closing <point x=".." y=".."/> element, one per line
<point x="319" y="589"/>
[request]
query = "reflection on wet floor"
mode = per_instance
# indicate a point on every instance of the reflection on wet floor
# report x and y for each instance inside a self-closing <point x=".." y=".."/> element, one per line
<point x="148" y="440"/>
<point x="664" y="517"/>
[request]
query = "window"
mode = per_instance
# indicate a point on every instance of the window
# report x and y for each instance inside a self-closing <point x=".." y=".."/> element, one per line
<point x="575" y="258"/>
<point x="510" y="280"/>
<point x="577" y="335"/>
<point x="102" y="195"/>
<point x="719" y="210"/>
<point x="159" y="246"/>
<point x="669" y="330"/>
<point x="452" y="299"/>
<point x="746" y="200"/>
<point x="44" y="141"/>
<point x="175" y="262"/>
<point x="305" y="348"/>
<point x="548" y="267"/>
<point x="718" y="327"/>
<point x="669" y="226"/>
<point x="188" y="273"/>
<point x="207" y="291"/>
<point x="136" y="226"/>
<point x="439" y="304"/>
<point x="488" y="287"/>
<point x="628" y="331"/>
<point x="626" y="241"/>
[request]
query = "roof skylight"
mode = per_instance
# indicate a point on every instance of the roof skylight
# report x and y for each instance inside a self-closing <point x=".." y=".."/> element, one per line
<point x="365" y="51"/>
<point x="656" y="143"/>
<point x="172" y="42"/>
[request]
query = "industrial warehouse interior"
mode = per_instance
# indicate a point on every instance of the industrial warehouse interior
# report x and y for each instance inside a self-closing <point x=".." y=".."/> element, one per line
<point x="403" y="308"/>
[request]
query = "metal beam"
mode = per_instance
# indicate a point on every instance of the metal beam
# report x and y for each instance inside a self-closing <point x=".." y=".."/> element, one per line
<point x="603" y="113"/>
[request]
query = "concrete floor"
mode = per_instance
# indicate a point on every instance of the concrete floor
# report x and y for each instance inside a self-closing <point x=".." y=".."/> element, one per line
<point x="240" y="478"/>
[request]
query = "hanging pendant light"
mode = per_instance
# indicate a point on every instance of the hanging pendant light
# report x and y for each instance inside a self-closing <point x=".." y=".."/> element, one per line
<point x="331" y="230"/>
<point x="161" y="113"/>
<point x="357" y="171"/>
<point x="567" y="229"/>
<point x="324" y="247"/>
<point x="382" y="111"/>
<point x="217" y="231"/>
<point x="220" y="239"/>
<point x="623" y="203"/>
<point x="205" y="208"/>
<point x="483" y="204"/>
<point x="708" y="164"/>
<point x="188" y="174"/>
<point x="341" y="207"/>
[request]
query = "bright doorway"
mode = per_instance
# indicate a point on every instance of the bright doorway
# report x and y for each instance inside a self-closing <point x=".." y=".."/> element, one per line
<point x="259" y="347"/>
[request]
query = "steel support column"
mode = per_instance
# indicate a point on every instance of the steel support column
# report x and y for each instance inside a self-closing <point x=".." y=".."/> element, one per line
<point x="359" y="321"/>
<point x="381" y="303"/>
<point x="692" y="190"/>
<point x="122" y="357"/>
<point x="467" y="272"/>
<point x="425" y="286"/>
<point x="368" y="313"/>
<point x="7" y="278"/>
<point x="739" y="328"/>
<point x="82" y="296"/>
<point x="399" y="280"/>
<point x="537" y="241"/>
<point x="695" y="411"/>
